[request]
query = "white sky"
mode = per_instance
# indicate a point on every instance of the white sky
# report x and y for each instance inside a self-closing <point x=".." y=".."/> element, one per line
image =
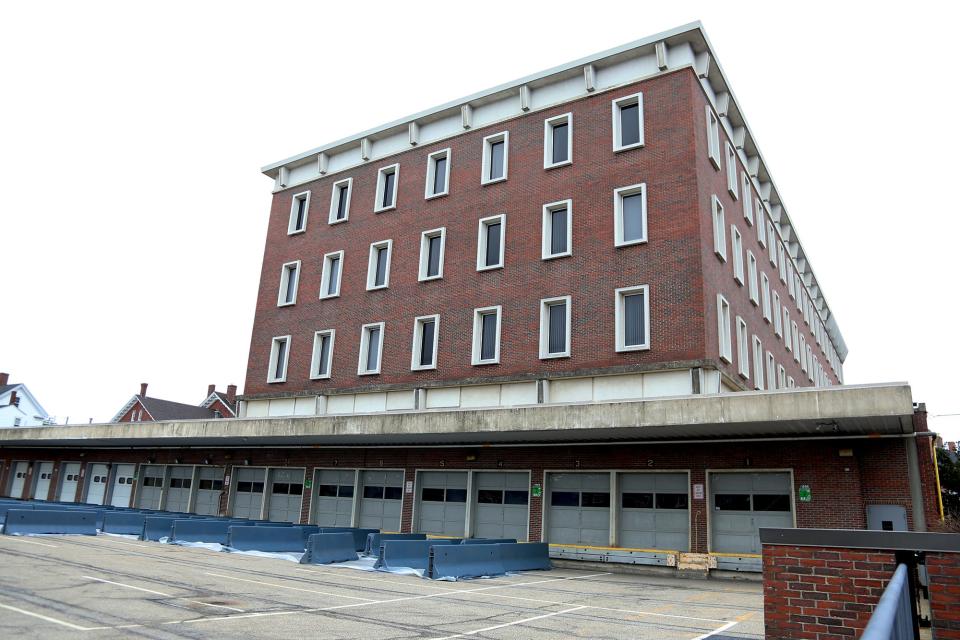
<point x="133" y="213"/>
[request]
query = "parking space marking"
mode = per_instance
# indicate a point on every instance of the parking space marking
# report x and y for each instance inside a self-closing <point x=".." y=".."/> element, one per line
<point x="39" y="544"/>
<point x="716" y="631"/>
<point x="280" y="586"/>
<point x="510" y="624"/>
<point x="165" y="595"/>
<point x="62" y="623"/>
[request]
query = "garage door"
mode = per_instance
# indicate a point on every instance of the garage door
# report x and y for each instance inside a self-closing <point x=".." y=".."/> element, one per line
<point x="578" y="508"/>
<point x="501" y="503"/>
<point x="381" y="499"/>
<point x="286" y="495"/>
<point x="333" y="497"/>
<point x="151" y="487"/>
<point x="248" y="499"/>
<point x="44" y="473"/>
<point x="654" y="511"/>
<point x="209" y="488"/>
<point x="122" y="485"/>
<point x="179" y="487"/>
<point x="69" y="478"/>
<point x="97" y="483"/>
<point x="744" y="502"/>
<point x="18" y="476"/>
<point x="442" y="503"/>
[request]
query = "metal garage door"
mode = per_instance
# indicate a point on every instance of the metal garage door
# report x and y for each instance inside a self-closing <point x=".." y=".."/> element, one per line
<point x="179" y="488"/>
<point x="654" y="511"/>
<point x="209" y="488"/>
<point x="151" y="487"/>
<point x="69" y="478"/>
<point x="578" y="510"/>
<point x="381" y="499"/>
<point x="333" y="497"/>
<point x="18" y="476"/>
<point x="43" y="475"/>
<point x="97" y="483"/>
<point x="501" y="505"/>
<point x="122" y="485"/>
<point x="286" y="495"/>
<point x="442" y="503"/>
<point x="744" y="502"/>
<point x="248" y="499"/>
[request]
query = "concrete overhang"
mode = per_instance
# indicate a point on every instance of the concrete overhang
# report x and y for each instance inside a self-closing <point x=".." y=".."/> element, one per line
<point x="852" y="411"/>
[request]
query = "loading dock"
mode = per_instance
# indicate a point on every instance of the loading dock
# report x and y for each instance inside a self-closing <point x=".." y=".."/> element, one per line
<point x="501" y="504"/>
<point x="743" y="501"/>
<point x="150" y="488"/>
<point x="209" y="490"/>
<point x="179" y="487"/>
<point x="69" y="479"/>
<point x="96" y="487"/>
<point x="285" y="500"/>
<point x="333" y="497"/>
<point x="578" y="508"/>
<point x="18" y="476"/>
<point x="41" y="480"/>
<point x="381" y="500"/>
<point x="121" y="489"/>
<point x="441" y="506"/>
<point x="654" y="511"/>
<point x="248" y="492"/>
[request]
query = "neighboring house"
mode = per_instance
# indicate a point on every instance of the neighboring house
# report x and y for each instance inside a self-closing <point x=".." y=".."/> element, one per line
<point x="142" y="408"/>
<point x="18" y="407"/>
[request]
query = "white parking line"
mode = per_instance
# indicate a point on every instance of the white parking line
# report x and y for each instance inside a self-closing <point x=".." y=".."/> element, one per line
<point x="510" y="624"/>
<point x="716" y="631"/>
<point x="62" y="623"/>
<point x="39" y="544"/>
<point x="280" y="586"/>
<point x="165" y="595"/>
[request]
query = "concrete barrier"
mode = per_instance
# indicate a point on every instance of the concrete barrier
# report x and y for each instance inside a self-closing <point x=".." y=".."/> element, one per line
<point x="156" y="527"/>
<point x="124" y="522"/>
<point x="22" y="506"/>
<point x="375" y="540"/>
<point x="465" y="561"/>
<point x="272" y="524"/>
<point x="525" y="556"/>
<point x="412" y="554"/>
<point x="213" y="531"/>
<point x="273" y="539"/>
<point x="324" y="548"/>
<point x="359" y="535"/>
<point x="489" y="541"/>
<point x="73" y="521"/>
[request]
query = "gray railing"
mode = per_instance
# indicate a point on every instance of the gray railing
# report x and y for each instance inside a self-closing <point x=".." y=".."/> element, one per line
<point x="893" y="617"/>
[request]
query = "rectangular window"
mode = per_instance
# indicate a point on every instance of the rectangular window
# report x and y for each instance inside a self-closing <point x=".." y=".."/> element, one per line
<point x="765" y="297"/>
<point x="279" y="350"/>
<point x="496" y="155"/>
<point x="713" y="138"/>
<point x="340" y="201"/>
<point x="558" y="141"/>
<point x="431" y="253"/>
<point x="747" y="199"/>
<point x="743" y="357"/>
<point x="490" y="244"/>
<point x="378" y="266"/>
<point x="387" y="188"/>
<point x="795" y="339"/>
<point x="807" y="364"/>
<point x="371" y="348"/>
<point x="322" y="354"/>
<point x="771" y="372"/>
<point x="781" y="253"/>
<point x="790" y="283"/>
<point x="752" y="279"/>
<point x="557" y="229"/>
<point x="438" y="174"/>
<point x="761" y="223"/>
<point x="791" y="384"/>
<point x="330" y="278"/>
<point x="486" y="335"/>
<point x="732" y="171"/>
<point x="289" y="279"/>
<point x="555" y="327"/>
<point x="723" y="327"/>
<point x="298" y="213"/>
<point x="719" y="230"/>
<point x="757" y="363"/>
<point x="627" y="122"/>
<point x="781" y="377"/>
<point x="630" y="215"/>
<point x="424" y="343"/>
<point x="801" y="354"/>
<point x="632" y="308"/>
<point x="736" y="242"/>
<point x="772" y="243"/>
<point x="777" y="320"/>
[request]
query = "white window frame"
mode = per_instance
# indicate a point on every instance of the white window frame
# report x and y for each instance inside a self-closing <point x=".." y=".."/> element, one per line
<point x="482" y="241"/>
<point x="808" y="361"/>
<point x="760" y="223"/>
<point x="478" y="334"/>
<point x="782" y="259"/>
<point x="724" y="329"/>
<point x="547" y="229"/>
<point x="418" y="323"/>
<point x="619" y="322"/>
<point x="428" y="188"/>
<point x="285" y="274"/>
<point x="719" y="229"/>
<point x="548" y="125"/>
<point x="372" y="265"/>
<point x="736" y="245"/>
<point x="753" y="286"/>
<point x="347" y="185"/>
<point x="791" y="384"/>
<point x="615" y="106"/>
<point x="545" y="305"/>
<point x="801" y="354"/>
<point x="732" y="172"/>
<point x="795" y="339"/>
<point x="765" y="297"/>
<point x="791" y="284"/>
<point x="365" y="346"/>
<point x="315" y="358"/>
<point x="781" y="377"/>
<point x="488" y="142"/>
<point x="713" y="138"/>
<point x="771" y="372"/>
<point x="297" y="197"/>
<point x="325" y="275"/>
<point x="425" y="253"/>
<point x="381" y="185"/>
<point x="747" y="199"/>
<point x="772" y="237"/>
<point x="743" y="349"/>
<point x="757" y="363"/>
<point x="273" y="359"/>
<point x="777" y="316"/>
<point x="618" y="196"/>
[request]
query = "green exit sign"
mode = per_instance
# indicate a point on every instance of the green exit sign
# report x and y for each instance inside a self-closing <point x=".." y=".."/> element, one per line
<point x="804" y="493"/>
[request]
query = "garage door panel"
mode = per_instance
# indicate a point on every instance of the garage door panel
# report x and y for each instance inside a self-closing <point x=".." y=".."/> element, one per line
<point x="380" y="494"/>
<point x="501" y="504"/>
<point x="634" y="519"/>
<point x="742" y="503"/>
<point x="18" y="477"/>
<point x="286" y="495"/>
<point x="333" y="497"/>
<point x="44" y="473"/>
<point x="731" y="482"/>
<point x="441" y="502"/>
<point x="595" y="518"/>
<point x="69" y="474"/>
<point x="248" y="493"/>
<point x="97" y="483"/>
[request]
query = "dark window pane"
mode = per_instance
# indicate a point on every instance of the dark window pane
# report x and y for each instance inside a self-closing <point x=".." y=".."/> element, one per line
<point x="489" y="496"/>
<point x="493" y="245"/>
<point x="323" y="367"/>
<point x="187" y="482"/>
<point x="333" y="283"/>
<point x="433" y="256"/>
<point x="256" y="487"/>
<point x="426" y="343"/>
<point x="560" y="151"/>
<point x="637" y="500"/>
<point x="732" y="502"/>
<point x="594" y="499"/>
<point x="392" y="493"/>
<point x="488" y="336"/>
<point x="440" y="175"/>
<point x="671" y="501"/>
<point x="381" y="276"/>
<point x="389" y="182"/>
<point x="558" y="231"/>
<point x="296" y="489"/>
<point x="373" y="492"/>
<point x="281" y="487"/>
<point x="633" y="217"/>
<point x="342" y="202"/>
<point x="564" y="499"/>
<point x="327" y="491"/>
<point x="496" y="160"/>
<point x="301" y="211"/>
<point x="780" y="502"/>
<point x="429" y="494"/>
<point x="291" y="284"/>
<point x="557" y="327"/>
<point x="175" y="483"/>
<point x="633" y="321"/>
<point x="216" y="486"/>
<point x="456" y="495"/>
<point x="629" y="124"/>
<point x="515" y="497"/>
<point x="346" y="491"/>
<point x="373" y="349"/>
<point x="281" y="358"/>
<point x="242" y="487"/>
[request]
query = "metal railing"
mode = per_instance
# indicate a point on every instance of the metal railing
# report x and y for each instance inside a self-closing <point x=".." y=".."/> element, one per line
<point x="893" y="619"/>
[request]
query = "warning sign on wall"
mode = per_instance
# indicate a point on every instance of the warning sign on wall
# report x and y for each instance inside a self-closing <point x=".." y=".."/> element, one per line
<point x="698" y="492"/>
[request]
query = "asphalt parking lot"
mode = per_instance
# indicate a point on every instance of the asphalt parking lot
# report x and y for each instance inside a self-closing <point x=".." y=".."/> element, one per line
<point x="106" y="587"/>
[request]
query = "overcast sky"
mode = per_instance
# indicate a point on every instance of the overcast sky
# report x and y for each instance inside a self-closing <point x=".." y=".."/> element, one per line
<point x="133" y="213"/>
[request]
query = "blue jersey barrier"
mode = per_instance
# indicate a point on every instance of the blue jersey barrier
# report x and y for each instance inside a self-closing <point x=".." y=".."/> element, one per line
<point x="465" y="561"/>
<point x="156" y="527"/>
<point x="124" y="522"/>
<point x="21" y="506"/>
<point x="525" y="556"/>
<point x="72" y="521"/>
<point x="375" y="540"/>
<point x="489" y="541"/>
<point x="359" y="535"/>
<point x="213" y="531"/>
<point x="413" y="554"/>
<point x="325" y="548"/>
<point x="273" y="539"/>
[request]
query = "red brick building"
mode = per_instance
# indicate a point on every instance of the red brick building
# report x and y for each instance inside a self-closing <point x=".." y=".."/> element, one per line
<point x="143" y="408"/>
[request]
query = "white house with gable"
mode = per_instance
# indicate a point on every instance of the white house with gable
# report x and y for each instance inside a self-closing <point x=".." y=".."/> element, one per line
<point x="18" y="407"/>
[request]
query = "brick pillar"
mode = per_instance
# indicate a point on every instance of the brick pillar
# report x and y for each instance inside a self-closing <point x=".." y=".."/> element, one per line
<point x="944" y="572"/>
<point x="406" y="513"/>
